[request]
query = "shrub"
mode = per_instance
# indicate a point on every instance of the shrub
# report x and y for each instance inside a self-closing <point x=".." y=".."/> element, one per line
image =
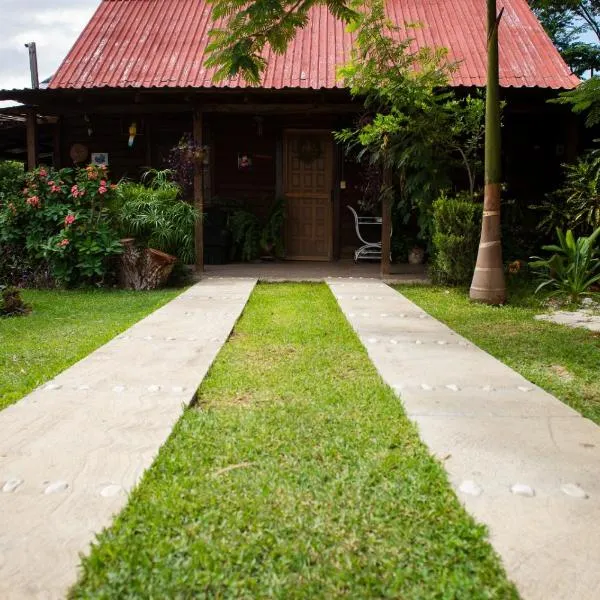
<point x="11" y="303"/>
<point x="11" y="179"/>
<point x="573" y="267"/>
<point x="456" y="223"/>
<point x="156" y="215"/>
<point x="576" y="204"/>
<point x="59" y="218"/>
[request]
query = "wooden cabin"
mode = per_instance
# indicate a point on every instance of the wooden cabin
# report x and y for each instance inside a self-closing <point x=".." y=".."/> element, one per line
<point x="140" y="63"/>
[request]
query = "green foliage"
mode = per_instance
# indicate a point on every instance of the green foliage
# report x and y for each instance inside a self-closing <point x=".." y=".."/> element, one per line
<point x="576" y="204"/>
<point x="566" y="22"/>
<point x="270" y="238"/>
<point x="411" y="125"/>
<point x="457" y="225"/>
<point x="247" y="28"/>
<point x="246" y="231"/>
<point x="250" y="235"/>
<point x="155" y="214"/>
<point x="11" y="179"/>
<point x="584" y="99"/>
<point x="60" y="219"/>
<point x="11" y="303"/>
<point x="573" y="267"/>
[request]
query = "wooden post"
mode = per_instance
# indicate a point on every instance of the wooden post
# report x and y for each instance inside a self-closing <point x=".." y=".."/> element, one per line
<point x="32" y="141"/>
<point x="386" y="222"/>
<point x="56" y="145"/>
<point x="198" y="195"/>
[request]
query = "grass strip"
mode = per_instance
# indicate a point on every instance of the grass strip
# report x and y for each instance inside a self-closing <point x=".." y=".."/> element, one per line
<point x="64" y="327"/>
<point x="562" y="360"/>
<point x="297" y="476"/>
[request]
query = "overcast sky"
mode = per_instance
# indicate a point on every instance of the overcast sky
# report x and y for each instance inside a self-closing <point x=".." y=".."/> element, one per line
<point x="53" y="24"/>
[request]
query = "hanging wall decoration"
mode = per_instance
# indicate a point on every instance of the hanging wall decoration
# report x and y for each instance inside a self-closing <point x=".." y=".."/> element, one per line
<point x="308" y="149"/>
<point x="244" y="162"/>
<point x="79" y="153"/>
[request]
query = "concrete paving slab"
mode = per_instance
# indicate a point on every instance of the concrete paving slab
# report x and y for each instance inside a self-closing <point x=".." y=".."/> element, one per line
<point x="72" y="450"/>
<point x="521" y="461"/>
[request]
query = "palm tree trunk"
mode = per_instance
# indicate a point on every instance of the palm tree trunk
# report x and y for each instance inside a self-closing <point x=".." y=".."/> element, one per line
<point x="488" y="280"/>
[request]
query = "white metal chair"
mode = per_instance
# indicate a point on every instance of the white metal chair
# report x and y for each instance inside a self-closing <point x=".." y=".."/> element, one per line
<point x="369" y="250"/>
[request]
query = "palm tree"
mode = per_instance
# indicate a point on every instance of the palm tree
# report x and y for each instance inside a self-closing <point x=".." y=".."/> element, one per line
<point x="488" y="279"/>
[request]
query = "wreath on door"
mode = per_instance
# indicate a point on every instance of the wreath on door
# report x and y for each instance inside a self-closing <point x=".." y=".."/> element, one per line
<point x="308" y="150"/>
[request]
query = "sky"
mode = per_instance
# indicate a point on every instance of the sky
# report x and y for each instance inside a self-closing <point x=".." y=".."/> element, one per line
<point x="53" y="25"/>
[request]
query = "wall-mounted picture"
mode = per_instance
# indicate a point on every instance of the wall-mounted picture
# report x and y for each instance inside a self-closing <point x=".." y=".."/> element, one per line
<point x="244" y="162"/>
<point x="100" y="159"/>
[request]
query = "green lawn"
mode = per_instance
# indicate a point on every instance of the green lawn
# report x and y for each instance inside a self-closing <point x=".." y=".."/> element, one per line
<point x="64" y="327"/>
<point x="562" y="360"/>
<point x="296" y="476"/>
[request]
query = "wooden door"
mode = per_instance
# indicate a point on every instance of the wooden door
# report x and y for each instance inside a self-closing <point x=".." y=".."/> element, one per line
<point x="307" y="179"/>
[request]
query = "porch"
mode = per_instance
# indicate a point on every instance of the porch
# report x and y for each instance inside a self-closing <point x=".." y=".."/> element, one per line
<point x="278" y="271"/>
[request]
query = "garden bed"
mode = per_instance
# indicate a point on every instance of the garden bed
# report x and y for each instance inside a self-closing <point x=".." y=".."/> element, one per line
<point x="297" y="475"/>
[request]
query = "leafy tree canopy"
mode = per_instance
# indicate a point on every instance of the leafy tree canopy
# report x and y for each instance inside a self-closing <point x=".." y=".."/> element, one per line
<point x="566" y="21"/>
<point x="412" y="123"/>
<point x="248" y="26"/>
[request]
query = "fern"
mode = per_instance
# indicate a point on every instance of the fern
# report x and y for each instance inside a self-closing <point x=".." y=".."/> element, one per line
<point x="156" y="215"/>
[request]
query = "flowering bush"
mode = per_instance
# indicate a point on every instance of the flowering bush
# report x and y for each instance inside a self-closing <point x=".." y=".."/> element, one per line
<point x="60" y="217"/>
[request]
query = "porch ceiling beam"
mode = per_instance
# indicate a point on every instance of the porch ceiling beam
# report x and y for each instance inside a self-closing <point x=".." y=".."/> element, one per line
<point x="282" y="108"/>
<point x="237" y="108"/>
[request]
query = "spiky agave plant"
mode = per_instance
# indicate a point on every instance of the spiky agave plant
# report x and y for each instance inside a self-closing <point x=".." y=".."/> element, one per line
<point x="155" y="214"/>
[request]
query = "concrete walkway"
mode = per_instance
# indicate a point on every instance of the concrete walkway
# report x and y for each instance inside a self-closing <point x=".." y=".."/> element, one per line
<point x="71" y="450"/>
<point x="522" y="462"/>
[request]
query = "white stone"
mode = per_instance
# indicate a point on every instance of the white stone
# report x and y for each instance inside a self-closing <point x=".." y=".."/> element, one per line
<point x="11" y="485"/>
<point x="191" y="338"/>
<point x="402" y="315"/>
<point x="52" y="387"/>
<point x="418" y="342"/>
<point x="372" y="340"/>
<point x="118" y="389"/>
<point x="524" y="388"/>
<point x="470" y="487"/>
<point x="422" y="316"/>
<point x="177" y="389"/>
<point x="351" y="315"/>
<point x="148" y="338"/>
<point x="393" y="342"/>
<point x="354" y="297"/>
<point x="442" y="342"/>
<point x="383" y="315"/>
<point x="83" y="388"/>
<point x="488" y="388"/>
<point x="521" y="489"/>
<point x="573" y="490"/>
<point x="426" y="387"/>
<point x="110" y="491"/>
<point x="56" y="487"/>
<point x="171" y="338"/>
<point x="153" y="388"/>
<point x="453" y="387"/>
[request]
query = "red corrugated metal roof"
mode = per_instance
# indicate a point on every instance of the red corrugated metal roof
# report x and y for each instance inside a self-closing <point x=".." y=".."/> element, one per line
<point x="161" y="43"/>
